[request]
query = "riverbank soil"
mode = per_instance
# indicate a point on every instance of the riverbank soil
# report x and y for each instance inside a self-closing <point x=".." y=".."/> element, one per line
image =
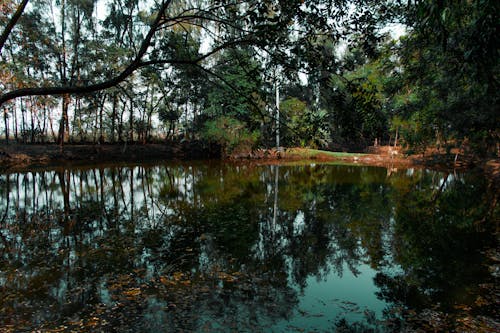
<point x="25" y="155"/>
<point x="384" y="156"/>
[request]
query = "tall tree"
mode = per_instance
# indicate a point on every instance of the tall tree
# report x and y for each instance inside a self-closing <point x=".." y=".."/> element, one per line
<point x="450" y="63"/>
<point x="263" y="24"/>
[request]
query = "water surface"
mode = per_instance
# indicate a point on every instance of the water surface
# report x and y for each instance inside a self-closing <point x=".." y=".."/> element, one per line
<point x="208" y="247"/>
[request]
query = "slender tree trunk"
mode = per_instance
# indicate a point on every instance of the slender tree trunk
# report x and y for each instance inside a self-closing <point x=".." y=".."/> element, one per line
<point x="14" y="111"/>
<point x="6" y="123"/>
<point x="23" y="124"/>
<point x="62" y="73"/>
<point x="76" y="124"/>
<point x="66" y="122"/>
<point x="142" y="132"/>
<point x="51" y="125"/>
<point x="131" y="121"/>
<point x="149" y="127"/>
<point x="101" y="126"/>
<point x="120" y="122"/>
<point x="120" y="128"/>
<point x="32" y="114"/>
<point x="113" y="118"/>
<point x="132" y="203"/>
<point x="95" y="128"/>
<point x="81" y="131"/>
<point x="186" y="133"/>
<point x="149" y="124"/>
<point x="63" y="121"/>
<point x="44" y="124"/>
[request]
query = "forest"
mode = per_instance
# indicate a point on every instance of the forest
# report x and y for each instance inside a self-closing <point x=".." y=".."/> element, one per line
<point x="249" y="166"/>
<point x="320" y="73"/>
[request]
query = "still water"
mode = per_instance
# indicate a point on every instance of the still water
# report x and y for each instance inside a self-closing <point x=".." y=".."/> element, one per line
<point x="211" y="247"/>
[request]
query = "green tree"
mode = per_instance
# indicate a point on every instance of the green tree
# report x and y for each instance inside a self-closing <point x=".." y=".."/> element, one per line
<point x="231" y="134"/>
<point x="357" y="100"/>
<point x="239" y="93"/>
<point x="450" y="72"/>
<point x="304" y="126"/>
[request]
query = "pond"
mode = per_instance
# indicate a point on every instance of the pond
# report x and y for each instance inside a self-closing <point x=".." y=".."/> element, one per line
<point x="210" y="247"/>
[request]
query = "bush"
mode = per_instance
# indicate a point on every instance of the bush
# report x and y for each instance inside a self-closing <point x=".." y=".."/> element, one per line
<point x="231" y="134"/>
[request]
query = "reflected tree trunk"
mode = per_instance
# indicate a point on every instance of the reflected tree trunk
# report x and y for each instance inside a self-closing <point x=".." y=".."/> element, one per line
<point x="275" y="205"/>
<point x="7" y="199"/>
<point x="64" y="184"/>
<point x="132" y="203"/>
<point x="143" y="176"/>
<point x="115" y="197"/>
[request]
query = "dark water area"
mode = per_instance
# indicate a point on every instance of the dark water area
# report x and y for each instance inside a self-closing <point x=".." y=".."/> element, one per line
<point x="211" y="247"/>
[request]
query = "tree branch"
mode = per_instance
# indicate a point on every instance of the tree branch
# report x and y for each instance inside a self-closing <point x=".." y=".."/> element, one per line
<point x="74" y="89"/>
<point x="11" y="24"/>
<point x="199" y="58"/>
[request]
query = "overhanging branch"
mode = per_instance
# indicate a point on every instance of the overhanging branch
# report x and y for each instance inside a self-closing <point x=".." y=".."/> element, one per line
<point x="11" y="24"/>
<point x="131" y="68"/>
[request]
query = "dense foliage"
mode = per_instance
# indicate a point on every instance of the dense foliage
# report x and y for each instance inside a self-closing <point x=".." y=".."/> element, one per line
<point x="132" y="71"/>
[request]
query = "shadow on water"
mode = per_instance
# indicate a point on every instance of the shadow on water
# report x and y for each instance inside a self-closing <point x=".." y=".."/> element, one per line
<point x="210" y="247"/>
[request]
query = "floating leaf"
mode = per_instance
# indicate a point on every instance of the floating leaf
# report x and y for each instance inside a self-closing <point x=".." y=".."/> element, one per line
<point x="132" y="292"/>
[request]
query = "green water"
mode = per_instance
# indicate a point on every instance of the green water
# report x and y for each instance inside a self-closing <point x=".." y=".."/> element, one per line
<point x="209" y="247"/>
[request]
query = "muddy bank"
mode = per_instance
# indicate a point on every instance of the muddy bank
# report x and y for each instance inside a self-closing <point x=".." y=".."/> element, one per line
<point x="383" y="156"/>
<point x="16" y="156"/>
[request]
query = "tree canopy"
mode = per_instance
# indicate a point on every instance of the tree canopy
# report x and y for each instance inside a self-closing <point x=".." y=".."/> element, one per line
<point x="128" y="70"/>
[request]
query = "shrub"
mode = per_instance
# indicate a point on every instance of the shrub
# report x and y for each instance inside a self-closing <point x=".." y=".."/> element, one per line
<point x="231" y="134"/>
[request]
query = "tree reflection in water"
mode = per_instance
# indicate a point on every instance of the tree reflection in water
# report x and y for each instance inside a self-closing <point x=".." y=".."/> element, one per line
<point x="208" y="247"/>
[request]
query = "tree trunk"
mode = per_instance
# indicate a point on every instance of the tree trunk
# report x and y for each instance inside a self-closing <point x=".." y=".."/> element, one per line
<point x="23" y="124"/>
<point x="66" y="123"/>
<point x="120" y="125"/>
<point x="131" y="121"/>
<point x="63" y="121"/>
<point x="6" y="123"/>
<point x="113" y="118"/>
<point x="44" y="124"/>
<point x="101" y="127"/>
<point x="32" y="114"/>
<point x="81" y="131"/>
<point x="51" y="125"/>
<point x="396" y="137"/>
<point x="14" y="111"/>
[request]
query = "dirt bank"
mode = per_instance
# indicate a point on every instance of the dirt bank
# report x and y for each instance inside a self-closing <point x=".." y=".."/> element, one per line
<point x="384" y="156"/>
<point x="18" y="157"/>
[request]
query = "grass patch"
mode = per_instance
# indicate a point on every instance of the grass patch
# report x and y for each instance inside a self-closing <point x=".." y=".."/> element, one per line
<point x="315" y="153"/>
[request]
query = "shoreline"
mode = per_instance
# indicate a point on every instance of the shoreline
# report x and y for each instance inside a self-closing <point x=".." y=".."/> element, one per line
<point x="19" y="157"/>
